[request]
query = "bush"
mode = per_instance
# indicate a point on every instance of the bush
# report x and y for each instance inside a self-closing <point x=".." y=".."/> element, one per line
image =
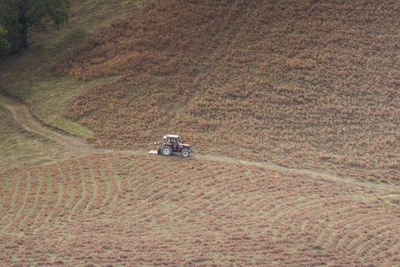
<point x="5" y="47"/>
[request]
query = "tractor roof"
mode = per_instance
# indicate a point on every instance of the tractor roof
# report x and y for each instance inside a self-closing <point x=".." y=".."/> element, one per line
<point x="171" y="136"/>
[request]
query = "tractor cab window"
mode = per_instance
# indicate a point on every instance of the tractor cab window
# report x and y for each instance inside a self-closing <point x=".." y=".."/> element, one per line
<point x="174" y="143"/>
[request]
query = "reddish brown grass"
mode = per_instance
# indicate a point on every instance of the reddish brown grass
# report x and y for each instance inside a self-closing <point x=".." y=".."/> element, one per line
<point x="314" y="82"/>
<point x="113" y="209"/>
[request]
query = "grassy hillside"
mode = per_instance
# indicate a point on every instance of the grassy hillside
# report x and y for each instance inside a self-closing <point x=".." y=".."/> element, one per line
<point x="19" y="147"/>
<point x="133" y="210"/>
<point x="314" y="82"/>
<point x="29" y="75"/>
<point x="291" y="107"/>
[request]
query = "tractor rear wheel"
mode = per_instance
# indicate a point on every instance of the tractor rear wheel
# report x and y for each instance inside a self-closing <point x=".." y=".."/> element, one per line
<point x="166" y="151"/>
<point x="185" y="153"/>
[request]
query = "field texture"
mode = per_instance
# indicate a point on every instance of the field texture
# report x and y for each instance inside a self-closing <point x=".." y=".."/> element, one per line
<point x="20" y="147"/>
<point x="310" y="81"/>
<point x="135" y="210"/>
<point x="28" y="76"/>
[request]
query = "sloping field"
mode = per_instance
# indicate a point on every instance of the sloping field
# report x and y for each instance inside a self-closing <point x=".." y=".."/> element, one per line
<point x="25" y="141"/>
<point x="134" y="210"/>
<point x="313" y="82"/>
<point x="28" y="76"/>
<point x="304" y="94"/>
<point x="19" y="146"/>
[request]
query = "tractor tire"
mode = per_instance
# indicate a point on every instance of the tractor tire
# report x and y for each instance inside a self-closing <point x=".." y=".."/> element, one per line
<point x="185" y="153"/>
<point x="166" y="151"/>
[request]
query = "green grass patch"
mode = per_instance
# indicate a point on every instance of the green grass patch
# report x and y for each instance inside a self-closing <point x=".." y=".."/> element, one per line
<point x="46" y="201"/>
<point x="116" y="177"/>
<point x="83" y="191"/>
<point x="107" y="181"/>
<point x="94" y="193"/>
<point x="26" y="193"/>
<point x="19" y="147"/>
<point x="52" y="256"/>
<point x="35" y="202"/>
<point x="29" y="77"/>
<point x="15" y="258"/>
<point x="71" y="190"/>
<point x="4" y="193"/>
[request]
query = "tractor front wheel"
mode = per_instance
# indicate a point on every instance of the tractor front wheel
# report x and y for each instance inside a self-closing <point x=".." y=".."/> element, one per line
<point x="185" y="153"/>
<point x="166" y="151"/>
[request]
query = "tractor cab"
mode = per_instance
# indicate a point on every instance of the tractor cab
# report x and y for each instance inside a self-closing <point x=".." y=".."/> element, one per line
<point x="172" y="139"/>
<point x="173" y="145"/>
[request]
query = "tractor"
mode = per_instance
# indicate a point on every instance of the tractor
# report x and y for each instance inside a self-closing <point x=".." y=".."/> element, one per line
<point x="172" y="145"/>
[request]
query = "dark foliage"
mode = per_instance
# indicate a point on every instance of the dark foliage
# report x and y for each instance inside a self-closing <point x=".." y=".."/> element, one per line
<point x="5" y="47"/>
<point x="18" y="16"/>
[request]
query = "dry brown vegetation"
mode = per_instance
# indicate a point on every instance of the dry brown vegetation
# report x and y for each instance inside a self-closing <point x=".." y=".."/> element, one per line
<point x="133" y="210"/>
<point x="311" y="81"/>
<point x="310" y="84"/>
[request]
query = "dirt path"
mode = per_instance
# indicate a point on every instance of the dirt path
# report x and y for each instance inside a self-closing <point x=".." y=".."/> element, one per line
<point x="71" y="145"/>
<point x="319" y="174"/>
<point x="78" y="147"/>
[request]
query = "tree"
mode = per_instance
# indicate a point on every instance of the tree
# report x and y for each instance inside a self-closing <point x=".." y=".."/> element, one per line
<point x="5" y="47"/>
<point x="18" y="16"/>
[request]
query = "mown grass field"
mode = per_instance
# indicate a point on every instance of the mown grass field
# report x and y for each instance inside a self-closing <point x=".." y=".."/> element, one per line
<point x="124" y="209"/>
<point x="309" y="81"/>
<point x="291" y="108"/>
<point x="20" y="147"/>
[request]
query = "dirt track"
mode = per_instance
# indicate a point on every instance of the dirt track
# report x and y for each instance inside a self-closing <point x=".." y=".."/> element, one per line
<point x="131" y="201"/>
<point x="77" y="147"/>
<point x="72" y="145"/>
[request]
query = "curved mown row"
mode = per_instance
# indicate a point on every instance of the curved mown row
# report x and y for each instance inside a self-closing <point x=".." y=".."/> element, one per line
<point x="135" y="209"/>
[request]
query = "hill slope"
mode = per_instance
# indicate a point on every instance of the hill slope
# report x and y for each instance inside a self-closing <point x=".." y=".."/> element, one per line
<point x="28" y="75"/>
<point x="29" y="78"/>
<point x="313" y="81"/>
<point x="131" y="210"/>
